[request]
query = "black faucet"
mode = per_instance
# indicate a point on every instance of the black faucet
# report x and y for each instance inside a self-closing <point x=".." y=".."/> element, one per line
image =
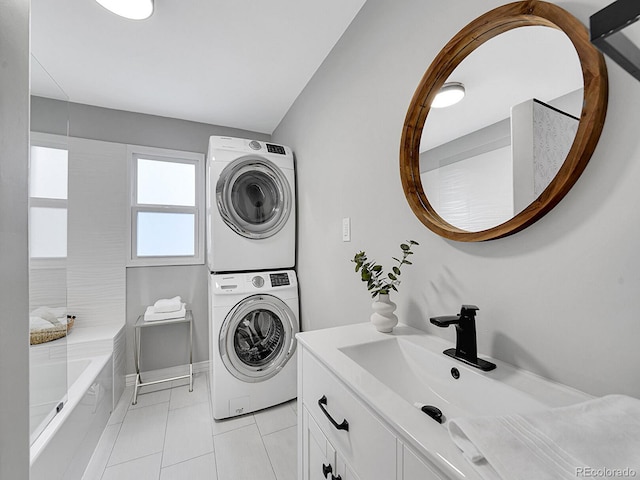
<point x="466" y="347"/>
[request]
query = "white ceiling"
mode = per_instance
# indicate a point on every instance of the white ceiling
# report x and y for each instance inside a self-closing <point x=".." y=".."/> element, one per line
<point x="236" y="63"/>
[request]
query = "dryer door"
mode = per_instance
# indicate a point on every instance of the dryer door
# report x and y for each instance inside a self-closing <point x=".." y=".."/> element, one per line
<point x="253" y="197"/>
<point x="257" y="338"/>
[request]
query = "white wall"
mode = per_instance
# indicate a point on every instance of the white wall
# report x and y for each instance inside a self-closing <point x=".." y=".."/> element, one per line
<point x="559" y="298"/>
<point x="14" y="279"/>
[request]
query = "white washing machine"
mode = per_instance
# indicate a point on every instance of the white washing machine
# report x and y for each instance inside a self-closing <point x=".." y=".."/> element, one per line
<point x="251" y="205"/>
<point x="253" y="320"/>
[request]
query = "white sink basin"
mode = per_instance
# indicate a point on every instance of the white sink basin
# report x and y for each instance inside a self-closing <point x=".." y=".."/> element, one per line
<point x="418" y="374"/>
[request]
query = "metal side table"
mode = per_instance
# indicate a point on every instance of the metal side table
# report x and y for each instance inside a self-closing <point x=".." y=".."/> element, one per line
<point x="139" y="325"/>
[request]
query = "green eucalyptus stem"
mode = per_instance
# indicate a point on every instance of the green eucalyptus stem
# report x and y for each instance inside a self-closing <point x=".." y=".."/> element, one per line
<point x="372" y="273"/>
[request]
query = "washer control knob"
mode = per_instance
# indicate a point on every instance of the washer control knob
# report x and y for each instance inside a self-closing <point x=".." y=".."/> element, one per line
<point x="257" y="281"/>
<point x="255" y="145"/>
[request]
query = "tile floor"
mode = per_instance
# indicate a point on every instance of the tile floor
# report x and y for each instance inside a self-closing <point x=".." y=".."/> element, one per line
<point x="170" y="435"/>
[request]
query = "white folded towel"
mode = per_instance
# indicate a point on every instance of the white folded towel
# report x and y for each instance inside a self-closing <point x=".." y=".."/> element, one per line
<point x="151" y="315"/>
<point x="46" y="313"/>
<point x="165" y="305"/>
<point x="59" y="312"/>
<point x="597" y="438"/>
<point x="39" y="323"/>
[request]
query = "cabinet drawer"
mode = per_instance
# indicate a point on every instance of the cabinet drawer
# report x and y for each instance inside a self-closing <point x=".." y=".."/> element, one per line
<point x="367" y="445"/>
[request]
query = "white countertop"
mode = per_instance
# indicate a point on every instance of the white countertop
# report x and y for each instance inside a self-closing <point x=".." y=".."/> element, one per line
<point x="421" y="432"/>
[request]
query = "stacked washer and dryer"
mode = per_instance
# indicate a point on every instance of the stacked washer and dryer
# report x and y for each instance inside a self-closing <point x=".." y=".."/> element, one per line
<point x="253" y="290"/>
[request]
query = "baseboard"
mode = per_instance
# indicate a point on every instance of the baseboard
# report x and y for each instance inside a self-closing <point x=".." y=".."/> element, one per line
<point x="151" y="375"/>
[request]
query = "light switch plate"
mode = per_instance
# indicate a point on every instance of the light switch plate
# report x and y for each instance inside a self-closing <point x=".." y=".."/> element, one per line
<point x="346" y="229"/>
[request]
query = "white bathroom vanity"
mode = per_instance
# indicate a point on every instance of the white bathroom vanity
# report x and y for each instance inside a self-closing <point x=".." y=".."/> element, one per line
<point x="357" y="395"/>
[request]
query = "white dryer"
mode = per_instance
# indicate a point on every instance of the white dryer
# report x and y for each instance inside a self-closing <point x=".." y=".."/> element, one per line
<point x="253" y="320"/>
<point x="251" y="205"/>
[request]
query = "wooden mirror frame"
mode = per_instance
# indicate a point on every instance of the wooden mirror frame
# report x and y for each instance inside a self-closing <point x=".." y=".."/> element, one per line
<point x="479" y="31"/>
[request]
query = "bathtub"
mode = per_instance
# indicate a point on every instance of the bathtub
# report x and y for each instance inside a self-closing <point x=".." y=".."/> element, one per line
<point x="65" y="446"/>
<point x="47" y="383"/>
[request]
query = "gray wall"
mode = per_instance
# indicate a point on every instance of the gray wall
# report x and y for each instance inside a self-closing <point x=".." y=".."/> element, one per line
<point x="14" y="154"/>
<point x="96" y="123"/>
<point x="559" y="298"/>
<point x="165" y="347"/>
<point x="147" y="284"/>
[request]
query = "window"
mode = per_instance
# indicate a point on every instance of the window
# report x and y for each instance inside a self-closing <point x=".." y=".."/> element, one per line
<point x="47" y="200"/>
<point x="166" y="214"/>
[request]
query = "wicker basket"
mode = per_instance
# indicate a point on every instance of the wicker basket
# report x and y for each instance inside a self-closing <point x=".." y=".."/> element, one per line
<point x="43" y="335"/>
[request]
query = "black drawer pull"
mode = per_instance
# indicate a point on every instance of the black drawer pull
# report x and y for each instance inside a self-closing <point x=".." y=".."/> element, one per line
<point x="326" y="470"/>
<point x="340" y="426"/>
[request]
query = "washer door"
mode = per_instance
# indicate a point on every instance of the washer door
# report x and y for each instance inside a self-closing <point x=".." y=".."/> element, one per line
<point x="253" y="197"/>
<point x="257" y="338"/>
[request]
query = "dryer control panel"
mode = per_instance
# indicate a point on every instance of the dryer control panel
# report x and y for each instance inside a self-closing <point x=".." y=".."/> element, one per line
<point x="239" y="284"/>
<point x="279" y="279"/>
<point x="271" y="148"/>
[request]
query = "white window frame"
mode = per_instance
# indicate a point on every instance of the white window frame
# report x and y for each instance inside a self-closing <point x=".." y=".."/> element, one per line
<point x="175" y="156"/>
<point x="47" y="140"/>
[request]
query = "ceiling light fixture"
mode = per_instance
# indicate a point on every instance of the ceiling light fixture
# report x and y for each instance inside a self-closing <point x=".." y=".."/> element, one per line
<point x="132" y="9"/>
<point x="450" y="94"/>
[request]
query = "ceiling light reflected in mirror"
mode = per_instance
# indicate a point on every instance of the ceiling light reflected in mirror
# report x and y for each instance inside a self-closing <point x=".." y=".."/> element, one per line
<point x="131" y="9"/>
<point x="450" y="94"/>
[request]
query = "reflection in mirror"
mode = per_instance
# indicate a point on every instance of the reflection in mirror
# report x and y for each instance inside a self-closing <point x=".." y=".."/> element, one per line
<point x="496" y="23"/>
<point x="48" y="165"/>
<point x="488" y="157"/>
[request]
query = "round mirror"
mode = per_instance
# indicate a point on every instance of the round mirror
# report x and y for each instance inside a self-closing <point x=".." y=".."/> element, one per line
<point x="535" y="96"/>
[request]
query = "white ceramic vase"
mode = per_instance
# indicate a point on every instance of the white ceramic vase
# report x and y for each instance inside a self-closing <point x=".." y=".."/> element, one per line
<point x="383" y="317"/>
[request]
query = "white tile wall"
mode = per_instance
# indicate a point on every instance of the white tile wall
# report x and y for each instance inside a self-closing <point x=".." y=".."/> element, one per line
<point x="97" y="231"/>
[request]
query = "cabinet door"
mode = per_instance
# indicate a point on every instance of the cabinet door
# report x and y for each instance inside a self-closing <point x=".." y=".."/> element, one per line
<point x="318" y="456"/>
<point x="345" y="472"/>
<point x="416" y="469"/>
<point x="365" y="443"/>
